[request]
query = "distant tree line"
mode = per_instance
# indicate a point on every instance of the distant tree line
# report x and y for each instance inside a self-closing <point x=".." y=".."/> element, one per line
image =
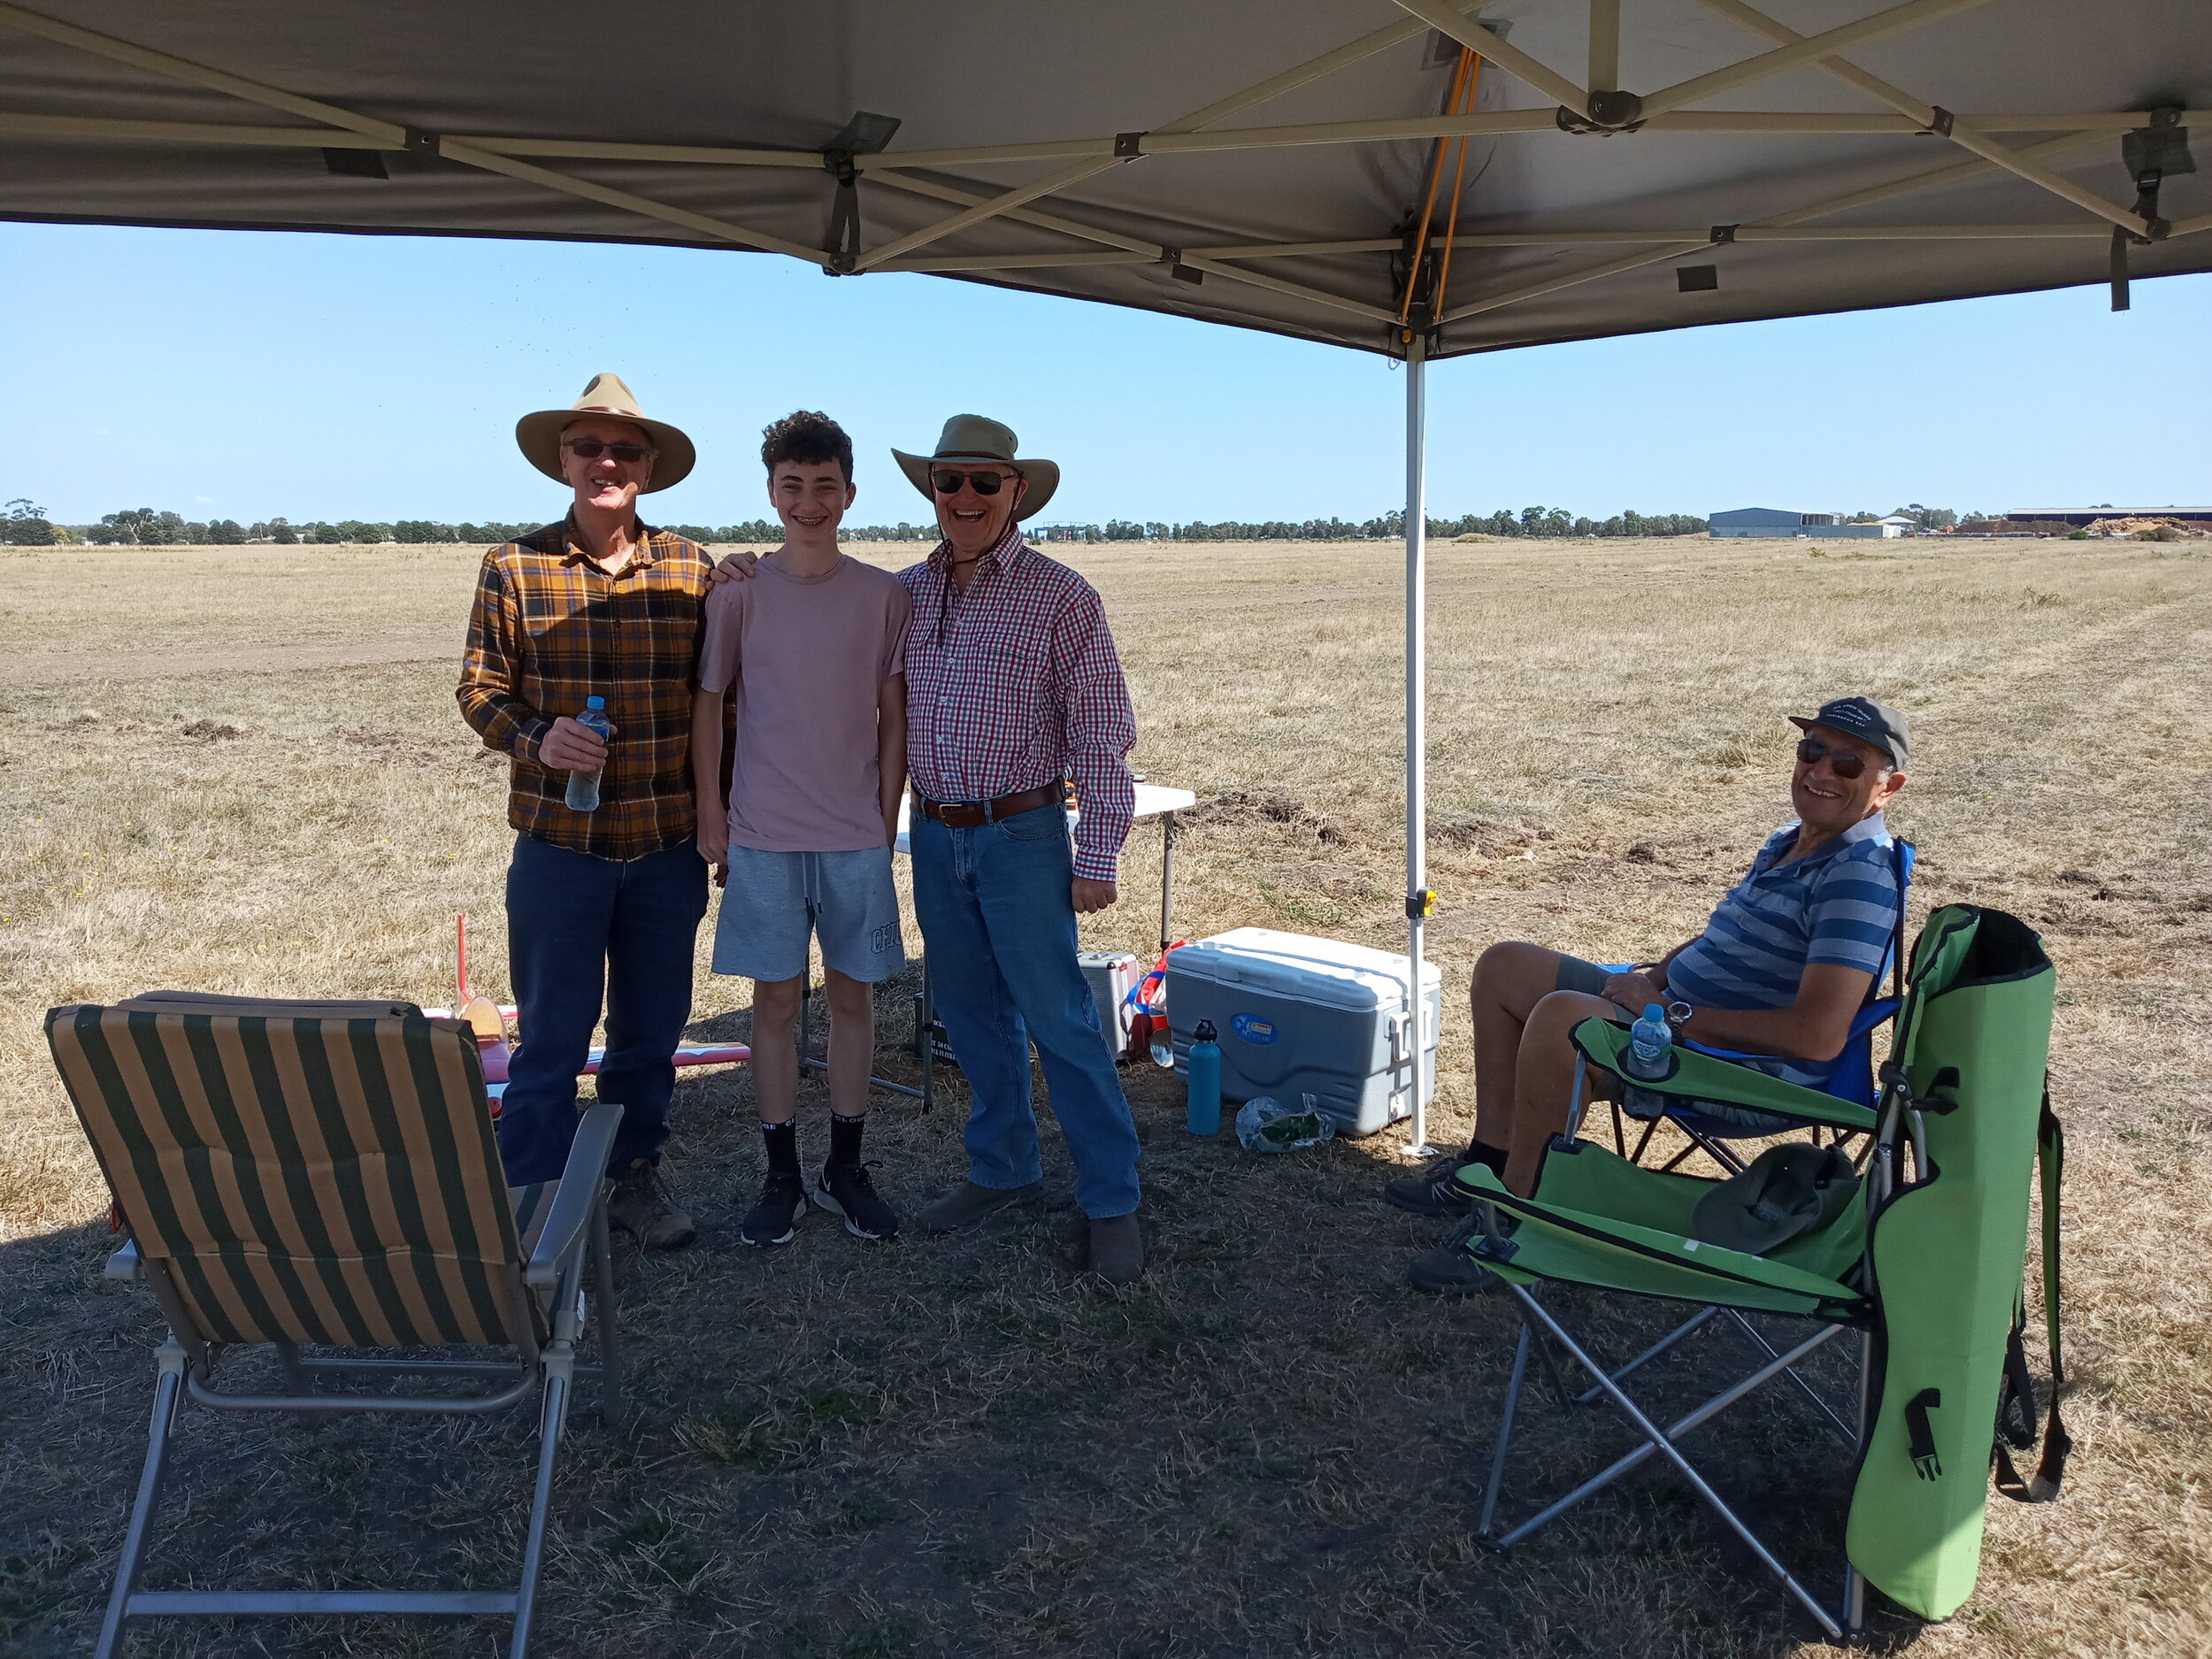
<point x="23" y="523"/>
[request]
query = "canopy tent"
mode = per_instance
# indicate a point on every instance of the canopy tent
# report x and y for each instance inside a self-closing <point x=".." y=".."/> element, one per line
<point x="1420" y="179"/>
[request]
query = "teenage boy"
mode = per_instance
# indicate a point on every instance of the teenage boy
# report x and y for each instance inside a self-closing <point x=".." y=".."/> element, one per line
<point x="814" y="653"/>
<point x="605" y="903"/>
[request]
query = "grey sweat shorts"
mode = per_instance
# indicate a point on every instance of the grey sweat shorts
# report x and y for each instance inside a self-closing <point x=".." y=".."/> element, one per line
<point x="1575" y="974"/>
<point x="775" y="900"/>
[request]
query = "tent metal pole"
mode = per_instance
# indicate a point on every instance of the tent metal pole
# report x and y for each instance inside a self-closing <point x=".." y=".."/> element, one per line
<point x="1417" y="731"/>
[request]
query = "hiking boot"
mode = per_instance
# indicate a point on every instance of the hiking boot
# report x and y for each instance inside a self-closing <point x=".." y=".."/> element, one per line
<point x="847" y="1190"/>
<point x="1117" y="1249"/>
<point x="1429" y="1191"/>
<point x="775" y="1219"/>
<point x="1450" y="1270"/>
<point x="642" y="1206"/>
<point x="969" y="1203"/>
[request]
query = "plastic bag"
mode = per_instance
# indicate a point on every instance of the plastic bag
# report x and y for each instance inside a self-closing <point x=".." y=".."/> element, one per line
<point x="1265" y="1124"/>
<point x="1149" y="1028"/>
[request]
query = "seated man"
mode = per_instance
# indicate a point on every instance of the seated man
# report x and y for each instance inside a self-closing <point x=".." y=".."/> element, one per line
<point x="1781" y="969"/>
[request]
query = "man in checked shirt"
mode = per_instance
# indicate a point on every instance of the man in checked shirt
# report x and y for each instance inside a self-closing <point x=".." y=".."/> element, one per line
<point x="1013" y="687"/>
<point x="605" y="903"/>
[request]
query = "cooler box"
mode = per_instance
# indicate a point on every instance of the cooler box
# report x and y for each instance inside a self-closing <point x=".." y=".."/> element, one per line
<point x="1297" y="1016"/>
<point x="1112" y="975"/>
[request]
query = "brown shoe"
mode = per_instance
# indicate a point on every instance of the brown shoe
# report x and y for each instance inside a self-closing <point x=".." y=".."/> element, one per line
<point x="642" y="1206"/>
<point x="971" y="1201"/>
<point x="1117" y="1249"/>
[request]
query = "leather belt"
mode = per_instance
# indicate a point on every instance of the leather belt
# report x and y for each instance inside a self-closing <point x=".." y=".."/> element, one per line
<point x="968" y="814"/>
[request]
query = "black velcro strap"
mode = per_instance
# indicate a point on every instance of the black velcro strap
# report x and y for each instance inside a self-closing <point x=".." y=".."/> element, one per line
<point x="1920" y="1435"/>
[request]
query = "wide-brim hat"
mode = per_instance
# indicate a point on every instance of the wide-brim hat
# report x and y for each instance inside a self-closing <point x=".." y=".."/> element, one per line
<point x="973" y="438"/>
<point x="539" y="433"/>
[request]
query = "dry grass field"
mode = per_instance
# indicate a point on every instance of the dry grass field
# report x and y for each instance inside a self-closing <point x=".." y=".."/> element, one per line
<point x="242" y="770"/>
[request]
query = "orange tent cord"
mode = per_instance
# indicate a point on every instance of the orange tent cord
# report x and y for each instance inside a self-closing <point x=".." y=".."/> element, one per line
<point x="1459" y="172"/>
<point x="1436" y="175"/>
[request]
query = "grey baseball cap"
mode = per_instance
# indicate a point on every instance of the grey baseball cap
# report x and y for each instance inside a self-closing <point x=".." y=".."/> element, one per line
<point x="1863" y="717"/>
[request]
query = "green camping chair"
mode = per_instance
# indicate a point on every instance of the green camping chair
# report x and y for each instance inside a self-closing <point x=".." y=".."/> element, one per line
<point x="1926" y="1272"/>
<point x="323" y="1175"/>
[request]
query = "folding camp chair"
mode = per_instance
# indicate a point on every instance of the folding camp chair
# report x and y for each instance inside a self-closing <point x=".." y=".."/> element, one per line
<point x="1849" y="1077"/>
<point x="324" y="1174"/>
<point x="1927" y="1271"/>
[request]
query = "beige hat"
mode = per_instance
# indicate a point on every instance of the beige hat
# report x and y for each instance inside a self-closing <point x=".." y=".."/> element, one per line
<point x="539" y="433"/>
<point x="972" y="438"/>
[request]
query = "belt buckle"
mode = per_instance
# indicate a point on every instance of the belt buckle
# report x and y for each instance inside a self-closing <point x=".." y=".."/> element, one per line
<point x="964" y="814"/>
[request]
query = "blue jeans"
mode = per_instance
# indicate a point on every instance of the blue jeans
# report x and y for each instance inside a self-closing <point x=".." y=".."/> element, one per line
<point x="578" y="929"/>
<point x="996" y="916"/>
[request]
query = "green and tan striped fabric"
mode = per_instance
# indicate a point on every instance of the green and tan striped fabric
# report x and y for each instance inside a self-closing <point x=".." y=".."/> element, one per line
<point x="326" y="1180"/>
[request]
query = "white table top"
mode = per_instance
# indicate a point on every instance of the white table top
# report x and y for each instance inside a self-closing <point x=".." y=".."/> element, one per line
<point x="1152" y="801"/>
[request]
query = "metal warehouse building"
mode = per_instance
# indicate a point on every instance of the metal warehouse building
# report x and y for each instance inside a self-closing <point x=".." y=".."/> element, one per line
<point x="1773" y="521"/>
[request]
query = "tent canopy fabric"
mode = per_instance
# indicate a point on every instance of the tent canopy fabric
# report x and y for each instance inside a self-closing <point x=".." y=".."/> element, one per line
<point x="1271" y="165"/>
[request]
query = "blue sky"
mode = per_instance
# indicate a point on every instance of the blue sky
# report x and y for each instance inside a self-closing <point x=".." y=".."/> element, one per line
<point x="246" y="375"/>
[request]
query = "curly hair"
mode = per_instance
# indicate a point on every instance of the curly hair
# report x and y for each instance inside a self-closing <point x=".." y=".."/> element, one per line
<point x="808" y="437"/>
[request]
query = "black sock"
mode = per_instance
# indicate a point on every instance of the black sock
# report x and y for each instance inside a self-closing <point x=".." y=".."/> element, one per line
<point x="845" y="1134"/>
<point x="783" y="1146"/>
<point x="1490" y="1158"/>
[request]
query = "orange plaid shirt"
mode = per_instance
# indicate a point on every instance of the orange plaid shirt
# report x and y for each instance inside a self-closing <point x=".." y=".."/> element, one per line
<point x="550" y="628"/>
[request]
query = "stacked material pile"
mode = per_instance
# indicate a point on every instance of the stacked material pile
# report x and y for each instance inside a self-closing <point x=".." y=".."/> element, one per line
<point x="2138" y="527"/>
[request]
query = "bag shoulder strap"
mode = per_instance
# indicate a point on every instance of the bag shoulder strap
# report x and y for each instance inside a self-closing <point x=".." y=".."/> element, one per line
<point x="2043" y="1486"/>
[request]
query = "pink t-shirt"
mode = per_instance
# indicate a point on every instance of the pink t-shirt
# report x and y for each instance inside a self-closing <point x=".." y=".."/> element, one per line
<point x="804" y="657"/>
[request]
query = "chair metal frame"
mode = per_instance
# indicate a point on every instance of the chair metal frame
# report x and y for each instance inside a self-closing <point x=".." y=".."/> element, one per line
<point x="1897" y="1132"/>
<point x="570" y="1270"/>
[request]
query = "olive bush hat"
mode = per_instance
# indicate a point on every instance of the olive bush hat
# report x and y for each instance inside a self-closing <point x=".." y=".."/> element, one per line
<point x="539" y="433"/>
<point x="972" y="438"/>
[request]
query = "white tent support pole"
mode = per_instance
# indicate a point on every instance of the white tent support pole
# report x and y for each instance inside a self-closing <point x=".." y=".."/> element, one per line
<point x="1221" y="110"/>
<point x="199" y="74"/>
<point x="1938" y="178"/>
<point x="1448" y="19"/>
<point x="1552" y="285"/>
<point x="1418" y="1034"/>
<point x="1605" y="46"/>
<point x="1905" y="104"/>
<point x="1152" y="250"/>
<point x="1392" y="129"/>
<point x="568" y="184"/>
<point x="2071" y="230"/>
<point x="386" y="133"/>
<point x="1803" y="49"/>
<point x="991" y="207"/>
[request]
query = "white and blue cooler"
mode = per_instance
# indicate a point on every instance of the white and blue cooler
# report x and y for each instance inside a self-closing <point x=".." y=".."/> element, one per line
<point x="1302" y="1016"/>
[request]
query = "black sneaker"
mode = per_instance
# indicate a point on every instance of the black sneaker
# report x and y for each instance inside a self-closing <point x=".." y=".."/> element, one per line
<point x="1430" y="1191"/>
<point x="847" y="1190"/>
<point x="775" y="1219"/>
<point x="1450" y="1269"/>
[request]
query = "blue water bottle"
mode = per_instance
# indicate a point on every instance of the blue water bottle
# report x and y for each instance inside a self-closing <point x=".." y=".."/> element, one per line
<point x="583" y="786"/>
<point x="1649" y="1040"/>
<point x="1202" y="1110"/>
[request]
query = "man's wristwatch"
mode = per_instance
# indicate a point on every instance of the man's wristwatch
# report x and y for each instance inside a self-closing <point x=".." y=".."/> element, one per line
<point x="1678" y="1014"/>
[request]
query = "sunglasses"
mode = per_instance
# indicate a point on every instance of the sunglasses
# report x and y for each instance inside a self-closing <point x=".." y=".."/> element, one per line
<point x="1842" y="762"/>
<point x="591" y="449"/>
<point x="949" y="482"/>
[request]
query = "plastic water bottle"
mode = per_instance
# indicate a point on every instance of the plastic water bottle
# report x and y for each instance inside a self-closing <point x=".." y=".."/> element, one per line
<point x="583" y="786"/>
<point x="1202" y="1108"/>
<point x="1649" y="1040"/>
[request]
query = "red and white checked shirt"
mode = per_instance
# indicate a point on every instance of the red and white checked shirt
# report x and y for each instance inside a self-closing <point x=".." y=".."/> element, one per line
<point x="1015" y="684"/>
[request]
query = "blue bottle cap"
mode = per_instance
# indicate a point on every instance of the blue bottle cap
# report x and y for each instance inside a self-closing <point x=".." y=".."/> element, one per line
<point x="594" y="702"/>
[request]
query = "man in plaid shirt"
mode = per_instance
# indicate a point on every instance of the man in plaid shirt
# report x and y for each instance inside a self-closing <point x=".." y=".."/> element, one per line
<point x="604" y="903"/>
<point x="1013" y="687"/>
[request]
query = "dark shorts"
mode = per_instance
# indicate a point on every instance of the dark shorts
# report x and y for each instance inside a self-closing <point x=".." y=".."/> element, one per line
<point x="1575" y="974"/>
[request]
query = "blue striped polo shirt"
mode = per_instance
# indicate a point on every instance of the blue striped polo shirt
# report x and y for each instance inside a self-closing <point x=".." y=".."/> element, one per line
<point x="1839" y="903"/>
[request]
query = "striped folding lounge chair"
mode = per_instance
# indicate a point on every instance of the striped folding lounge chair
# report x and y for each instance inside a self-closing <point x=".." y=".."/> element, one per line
<point x="1926" y="1274"/>
<point x="321" y="1177"/>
